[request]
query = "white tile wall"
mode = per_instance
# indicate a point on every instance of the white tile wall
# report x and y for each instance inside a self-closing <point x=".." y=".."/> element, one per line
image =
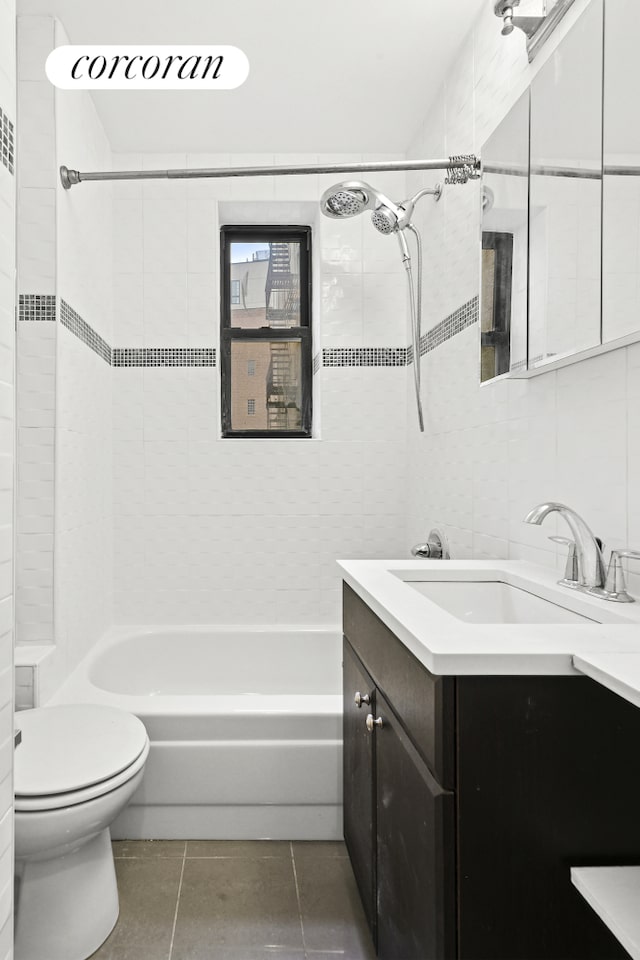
<point x="35" y="341"/>
<point x="490" y="453"/>
<point x="83" y="426"/>
<point x="64" y="396"/>
<point x="36" y="366"/>
<point x="7" y="307"/>
<point x="197" y="517"/>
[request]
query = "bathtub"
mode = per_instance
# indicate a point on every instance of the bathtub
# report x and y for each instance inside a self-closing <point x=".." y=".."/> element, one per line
<point x="245" y="727"/>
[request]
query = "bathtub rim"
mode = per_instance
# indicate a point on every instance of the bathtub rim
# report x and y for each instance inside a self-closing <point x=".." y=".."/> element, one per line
<point x="79" y="688"/>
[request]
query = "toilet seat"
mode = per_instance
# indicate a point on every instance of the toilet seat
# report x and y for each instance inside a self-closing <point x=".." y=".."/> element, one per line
<point x="73" y="753"/>
<point x="70" y="798"/>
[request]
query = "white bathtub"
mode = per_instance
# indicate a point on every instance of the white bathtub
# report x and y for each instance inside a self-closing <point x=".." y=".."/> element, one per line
<point x="245" y="727"/>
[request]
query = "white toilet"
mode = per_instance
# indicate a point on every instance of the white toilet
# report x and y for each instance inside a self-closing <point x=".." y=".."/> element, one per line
<point x="75" y="770"/>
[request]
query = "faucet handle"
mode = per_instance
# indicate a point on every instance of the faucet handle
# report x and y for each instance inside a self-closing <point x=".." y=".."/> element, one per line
<point x="615" y="587"/>
<point x="630" y="554"/>
<point x="571" y="575"/>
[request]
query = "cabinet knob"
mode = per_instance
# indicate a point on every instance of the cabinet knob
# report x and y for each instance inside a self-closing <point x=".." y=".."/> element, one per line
<point x="361" y="698"/>
<point x="372" y="722"/>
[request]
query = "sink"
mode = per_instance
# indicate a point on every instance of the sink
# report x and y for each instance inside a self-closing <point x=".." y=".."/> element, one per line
<point x="493" y="601"/>
<point x="490" y="617"/>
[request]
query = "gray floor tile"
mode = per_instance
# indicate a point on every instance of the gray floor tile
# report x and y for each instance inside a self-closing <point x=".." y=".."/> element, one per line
<point x="238" y="848"/>
<point x="319" y="848"/>
<point x="148" y="891"/>
<point x="332" y="915"/>
<point x="148" y="848"/>
<point x="238" y="909"/>
<point x="356" y="954"/>
<point x="247" y="953"/>
<point x="337" y="954"/>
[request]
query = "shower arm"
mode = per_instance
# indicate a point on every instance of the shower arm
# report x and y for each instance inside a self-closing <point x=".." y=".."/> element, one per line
<point x="435" y="192"/>
<point x="459" y="169"/>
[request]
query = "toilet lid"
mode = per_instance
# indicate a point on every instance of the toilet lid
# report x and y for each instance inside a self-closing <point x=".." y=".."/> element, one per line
<point x="72" y="746"/>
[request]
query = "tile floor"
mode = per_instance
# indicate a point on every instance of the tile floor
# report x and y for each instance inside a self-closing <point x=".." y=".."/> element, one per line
<point x="236" y="900"/>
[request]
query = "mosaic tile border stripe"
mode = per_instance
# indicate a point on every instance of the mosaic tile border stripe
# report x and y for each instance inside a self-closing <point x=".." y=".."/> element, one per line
<point x="74" y="322"/>
<point x="37" y="307"/>
<point x="7" y="142"/>
<point x="364" y="357"/>
<point x="42" y="307"/>
<point x="163" y="357"/>
<point x="465" y="316"/>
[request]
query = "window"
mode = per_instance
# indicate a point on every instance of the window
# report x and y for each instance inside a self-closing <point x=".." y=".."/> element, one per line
<point x="495" y="319"/>
<point x="266" y="331"/>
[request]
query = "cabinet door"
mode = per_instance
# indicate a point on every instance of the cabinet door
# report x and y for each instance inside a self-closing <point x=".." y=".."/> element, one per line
<point x="415" y="850"/>
<point x="359" y="810"/>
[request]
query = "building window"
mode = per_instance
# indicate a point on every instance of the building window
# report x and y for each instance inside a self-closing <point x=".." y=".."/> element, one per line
<point x="266" y="331"/>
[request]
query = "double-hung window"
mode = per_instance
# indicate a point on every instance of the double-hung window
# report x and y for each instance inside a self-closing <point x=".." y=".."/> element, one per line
<point x="265" y="363"/>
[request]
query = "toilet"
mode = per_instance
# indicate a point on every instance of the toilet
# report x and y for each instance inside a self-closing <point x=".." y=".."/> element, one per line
<point x="75" y="770"/>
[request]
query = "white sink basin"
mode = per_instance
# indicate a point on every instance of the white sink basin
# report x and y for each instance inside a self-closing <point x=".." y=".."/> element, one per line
<point x="493" y="601"/>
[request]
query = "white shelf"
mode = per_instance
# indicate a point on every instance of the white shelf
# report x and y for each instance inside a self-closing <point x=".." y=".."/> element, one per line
<point x="619" y="671"/>
<point x="614" y="894"/>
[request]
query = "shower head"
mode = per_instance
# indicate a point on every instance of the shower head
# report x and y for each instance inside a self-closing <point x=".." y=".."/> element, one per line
<point x="386" y="218"/>
<point x="347" y="199"/>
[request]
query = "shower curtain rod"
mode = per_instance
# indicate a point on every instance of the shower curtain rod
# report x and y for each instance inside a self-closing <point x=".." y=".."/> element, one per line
<point x="459" y="168"/>
<point x="578" y="173"/>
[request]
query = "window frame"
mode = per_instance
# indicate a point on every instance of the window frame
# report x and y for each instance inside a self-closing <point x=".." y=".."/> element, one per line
<point x="266" y="233"/>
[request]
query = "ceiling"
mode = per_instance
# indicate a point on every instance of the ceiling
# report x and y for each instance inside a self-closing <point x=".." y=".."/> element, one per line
<point x="326" y="77"/>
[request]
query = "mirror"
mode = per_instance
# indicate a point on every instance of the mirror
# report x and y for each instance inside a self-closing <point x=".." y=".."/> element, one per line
<point x="566" y="195"/>
<point x="621" y="186"/>
<point x="505" y="160"/>
<point x="583" y="207"/>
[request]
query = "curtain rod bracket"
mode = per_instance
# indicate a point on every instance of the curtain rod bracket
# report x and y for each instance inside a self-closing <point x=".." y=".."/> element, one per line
<point x="68" y="177"/>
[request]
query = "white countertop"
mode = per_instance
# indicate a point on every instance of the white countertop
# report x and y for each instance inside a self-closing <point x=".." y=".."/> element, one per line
<point x="446" y="645"/>
<point x="614" y="894"/>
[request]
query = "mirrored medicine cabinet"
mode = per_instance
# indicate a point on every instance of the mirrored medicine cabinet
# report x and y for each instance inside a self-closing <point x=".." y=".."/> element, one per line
<point x="560" y="269"/>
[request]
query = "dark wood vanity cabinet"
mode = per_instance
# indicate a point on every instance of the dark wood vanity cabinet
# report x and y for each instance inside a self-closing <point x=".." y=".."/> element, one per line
<point x="466" y="809"/>
<point x="415" y="890"/>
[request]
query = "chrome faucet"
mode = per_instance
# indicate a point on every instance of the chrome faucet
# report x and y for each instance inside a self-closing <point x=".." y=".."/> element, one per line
<point x="590" y="562"/>
<point x="436" y="547"/>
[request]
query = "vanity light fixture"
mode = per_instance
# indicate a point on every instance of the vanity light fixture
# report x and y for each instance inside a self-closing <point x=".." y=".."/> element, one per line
<point x="536" y="29"/>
